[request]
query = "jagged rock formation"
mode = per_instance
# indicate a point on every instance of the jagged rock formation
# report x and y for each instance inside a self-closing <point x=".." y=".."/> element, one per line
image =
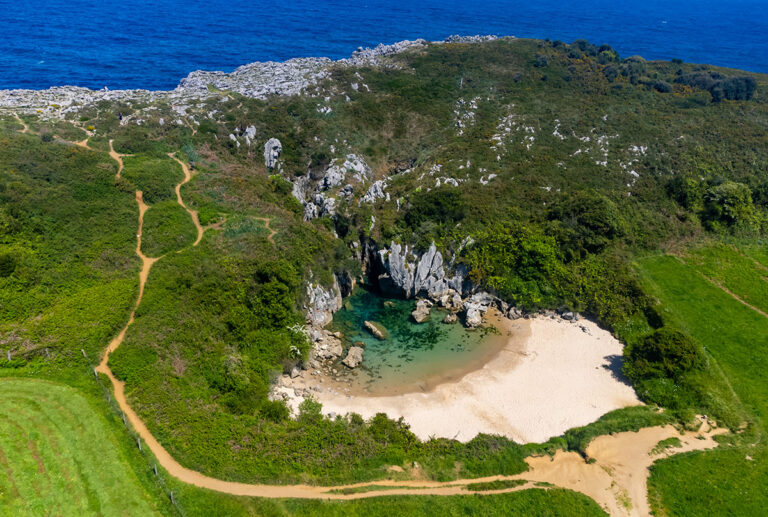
<point x="421" y="313"/>
<point x="272" y="151"/>
<point x="408" y="275"/>
<point x="319" y="199"/>
<point x="322" y="303"/>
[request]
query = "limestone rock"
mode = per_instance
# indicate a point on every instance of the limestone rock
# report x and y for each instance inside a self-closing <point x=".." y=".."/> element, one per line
<point x="377" y="331"/>
<point x="410" y="276"/>
<point x="421" y="313"/>
<point x="323" y="303"/>
<point x="354" y="357"/>
<point x="272" y="151"/>
<point x="450" y="318"/>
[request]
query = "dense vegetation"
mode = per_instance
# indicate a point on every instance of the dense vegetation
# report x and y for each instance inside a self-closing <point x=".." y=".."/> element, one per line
<point x="597" y="160"/>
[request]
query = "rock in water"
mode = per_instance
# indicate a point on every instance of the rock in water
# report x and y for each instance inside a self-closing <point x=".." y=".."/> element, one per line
<point x="421" y="314"/>
<point x="376" y="330"/>
<point x="272" y="150"/>
<point x="354" y="357"/>
<point x="450" y="318"/>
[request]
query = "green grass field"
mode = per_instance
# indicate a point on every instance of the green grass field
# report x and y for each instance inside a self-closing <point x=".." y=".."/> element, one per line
<point x="731" y="480"/>
<point x="60" y="457"/>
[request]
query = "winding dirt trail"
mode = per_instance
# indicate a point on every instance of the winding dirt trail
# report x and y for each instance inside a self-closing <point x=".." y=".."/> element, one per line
<point x="146" y="265"/>
<point x="192" y="213"/>
<point x="25" y="127"/>
<point x="272" y="232"/>
<point x="118" y="158"/>
<point x="617" y="478"/>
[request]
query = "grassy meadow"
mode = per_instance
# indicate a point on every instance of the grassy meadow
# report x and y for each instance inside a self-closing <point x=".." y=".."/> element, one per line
<point x="732" y="479"/>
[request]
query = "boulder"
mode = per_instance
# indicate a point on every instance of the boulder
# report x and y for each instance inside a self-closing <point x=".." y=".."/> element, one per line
<point x="295" y="372"/>
<point x="378" y="331"/>
<point x="329" y="348"/>
<point x="450" y="318"/>
<point x="421" y="313"/>
<point x="354" y="357"/>
<point x="474" y="317"/>
<point x="272" y="150"/>
<point x="567" y="316"/>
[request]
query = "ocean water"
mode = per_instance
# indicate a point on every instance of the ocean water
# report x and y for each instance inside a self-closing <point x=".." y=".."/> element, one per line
<point x="154" y="43"/>
<point x="413" y="357"/>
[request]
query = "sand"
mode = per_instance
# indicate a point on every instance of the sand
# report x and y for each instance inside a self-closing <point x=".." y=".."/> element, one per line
<point x="551" y="375"/>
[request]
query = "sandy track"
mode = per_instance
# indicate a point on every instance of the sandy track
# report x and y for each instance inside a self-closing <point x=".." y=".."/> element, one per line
<point x="117" y="157"/>
<point x="25" y="127"/>
<point x="192" y="213"/>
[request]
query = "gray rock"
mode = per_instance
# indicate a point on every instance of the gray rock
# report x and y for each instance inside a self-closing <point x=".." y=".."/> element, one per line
<point x="421" y="313"/>
<point x="568" y="316"/>
<point x="272" y="150"/>
<point x="450" y="318"/>
<point x="295" y="372"/>
<point x="408" y="275"/>
<point x="375" y="191"/>
<point x="322" y="303"/>
<point x="354" y="357"/>
<point x="378" y="331"/>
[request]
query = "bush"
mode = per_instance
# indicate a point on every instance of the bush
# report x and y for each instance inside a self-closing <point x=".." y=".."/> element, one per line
<point x="442" y="205"/>
<point x="665" y="354"/>
<point x="687" y="191"/>
<point x="519" y="263"/>
<point x="588" y="221"/>
<point x="729" y="203"/>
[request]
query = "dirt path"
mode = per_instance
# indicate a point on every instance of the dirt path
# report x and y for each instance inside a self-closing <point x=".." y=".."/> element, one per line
<point x="146" y="265"/>
<point x="192" y="213"/>
<point x="83" y="144"/>
<point x="734" y="296"/>
<point x="272" y="232"/>
<point x="118" y="158"/>
<point x="25" y="127"/>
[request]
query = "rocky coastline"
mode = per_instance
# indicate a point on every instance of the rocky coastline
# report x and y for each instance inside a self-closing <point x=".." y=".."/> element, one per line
<point x="256" y="80"/>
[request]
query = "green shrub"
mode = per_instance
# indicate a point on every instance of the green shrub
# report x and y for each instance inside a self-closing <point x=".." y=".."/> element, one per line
<point x="729" y="203"/>
<point x="667" y="353"/>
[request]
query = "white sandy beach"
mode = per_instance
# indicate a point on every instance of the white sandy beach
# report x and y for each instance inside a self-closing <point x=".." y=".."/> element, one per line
<point x="551" y="375"/>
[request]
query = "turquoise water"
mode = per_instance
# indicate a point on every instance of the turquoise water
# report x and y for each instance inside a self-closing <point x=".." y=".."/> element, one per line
<point x="414" y="357"/>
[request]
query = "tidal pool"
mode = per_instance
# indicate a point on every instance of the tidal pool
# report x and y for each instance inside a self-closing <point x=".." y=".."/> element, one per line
<point x="413" y="357"/>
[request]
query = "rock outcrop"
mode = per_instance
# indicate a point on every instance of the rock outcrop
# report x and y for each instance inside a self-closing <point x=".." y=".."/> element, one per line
<point x="422" y="311"/>
<point x="406" y="274"/>
<point x="272" y="151"/>
<point x="322" y="303"/>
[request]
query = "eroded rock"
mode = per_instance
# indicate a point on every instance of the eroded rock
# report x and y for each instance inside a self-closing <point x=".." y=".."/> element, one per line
<point x="354" y="357"/>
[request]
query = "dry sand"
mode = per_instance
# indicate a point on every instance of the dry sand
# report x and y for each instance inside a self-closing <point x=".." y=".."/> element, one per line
<point x="552" y="375"/>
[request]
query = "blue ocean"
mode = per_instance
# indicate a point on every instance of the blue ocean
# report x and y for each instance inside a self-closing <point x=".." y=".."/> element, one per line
<point x="153" y="43"/>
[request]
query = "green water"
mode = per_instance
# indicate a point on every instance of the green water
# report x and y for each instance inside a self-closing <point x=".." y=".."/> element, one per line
<point x="414" y="357"/>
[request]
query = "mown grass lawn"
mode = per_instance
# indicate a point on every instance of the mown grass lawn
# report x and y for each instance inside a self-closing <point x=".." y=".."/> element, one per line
<point x="59" y="457"/>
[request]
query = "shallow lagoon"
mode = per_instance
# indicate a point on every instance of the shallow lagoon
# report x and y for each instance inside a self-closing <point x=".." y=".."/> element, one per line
<point x="414" y="357"/>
